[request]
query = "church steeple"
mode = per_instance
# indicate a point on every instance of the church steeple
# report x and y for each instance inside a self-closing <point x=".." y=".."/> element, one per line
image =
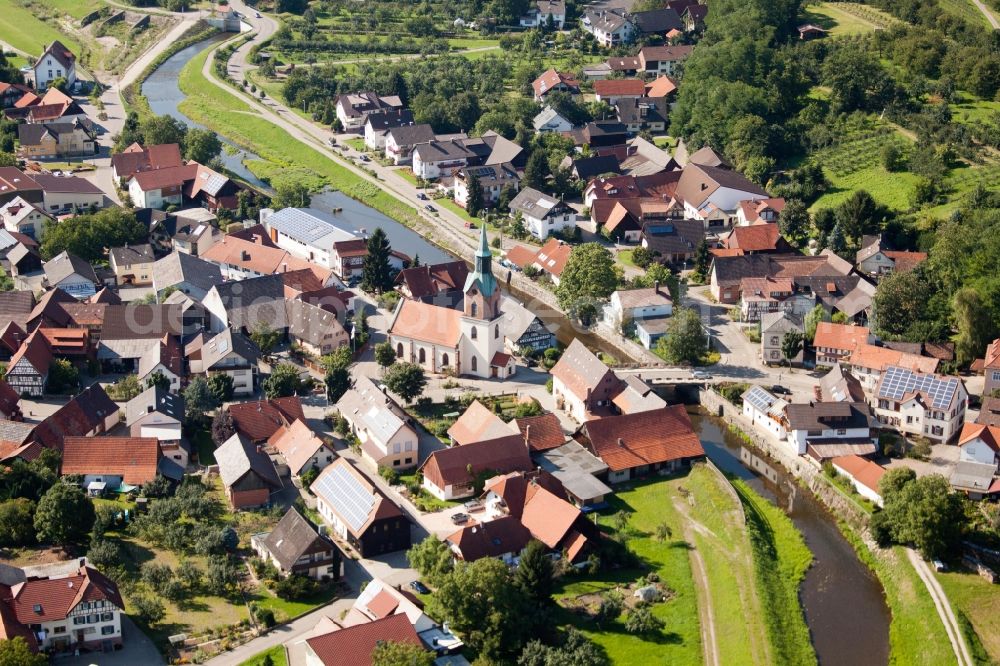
<point x="482" y="291"/>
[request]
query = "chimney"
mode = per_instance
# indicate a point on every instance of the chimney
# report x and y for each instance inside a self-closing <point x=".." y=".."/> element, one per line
<point x="527" y="437"/>
<point x="817" y="392"/>
<point x="258" y="239"/>
<point x="656" y="287"/>
<point x="621" y="442"/>
<point x="245" y="255"/>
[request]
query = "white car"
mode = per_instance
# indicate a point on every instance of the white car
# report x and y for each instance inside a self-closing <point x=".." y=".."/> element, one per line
<point x="698" y="374"/>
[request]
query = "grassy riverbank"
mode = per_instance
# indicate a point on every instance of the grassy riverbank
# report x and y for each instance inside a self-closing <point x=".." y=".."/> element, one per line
<point x="781" y="559"/>
<point x="283" y="157"/>
<point x="916" y="635"/>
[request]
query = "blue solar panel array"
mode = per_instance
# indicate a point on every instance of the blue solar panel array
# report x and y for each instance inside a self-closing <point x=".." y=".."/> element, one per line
<point x="347" y="495"/>
<point x="759" y="398"/>
<point x="897" y="382"/>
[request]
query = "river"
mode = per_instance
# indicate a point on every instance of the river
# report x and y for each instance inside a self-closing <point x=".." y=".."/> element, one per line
<point x="844" y="605"/>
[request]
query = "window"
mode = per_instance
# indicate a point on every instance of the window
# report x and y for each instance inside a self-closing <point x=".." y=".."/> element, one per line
<point x="496" y="332"/>
<point x="408" y="461"/>
<point x="422" y="357"/>
<point x="61" y="629"/>
<point x="80" y="619"/>
<point x="841" y="432"/>
<point x="473" y="334"/>
<point x="444" y="359"/>
<point x="475" y="311"/>
<point x="474" y="361"/>
<point x="107" y="630"/>
<point x="774" y="339"/>
<point x="399" y="350"/>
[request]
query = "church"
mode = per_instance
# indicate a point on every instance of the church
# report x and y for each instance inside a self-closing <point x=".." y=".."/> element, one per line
<point x="469" y="341"/>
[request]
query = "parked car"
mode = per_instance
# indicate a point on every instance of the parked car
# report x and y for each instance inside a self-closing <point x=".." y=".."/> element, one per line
<point x="430" y="208"/>
<point x="781" y="390"/>
<point x="938" y="565"/>
<point x="460" y="518"/>
<point x="365" y="158"/>
<point x="422" y="196"/>
<point x="698" y="374"/>
<point x="256" y="14"/>
<point x="472" y="506"/>
<point x="419" y="587"/>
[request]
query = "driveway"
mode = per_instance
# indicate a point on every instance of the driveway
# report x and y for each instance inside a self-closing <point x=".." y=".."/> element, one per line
<point x="137" y="649"/>
<point x="942" y="461"/>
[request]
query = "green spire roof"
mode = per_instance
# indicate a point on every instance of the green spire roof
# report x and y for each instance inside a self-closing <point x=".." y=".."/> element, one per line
<point x="484" y="246"/>
<point x="483" y="272"/>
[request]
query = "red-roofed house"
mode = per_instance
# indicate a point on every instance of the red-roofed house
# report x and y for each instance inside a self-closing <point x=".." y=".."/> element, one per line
<point x="991" y="368"/>
<point x="634" y="445"/>
<point x="980" y="443"/>
<point x="91" y="412"/>
<point x="755" y="239"/>
<point x="107" y="463"/>
<point x="836" y="342"/>
<point x="353" y="646"/>
<point x="162" y="187"/>
<point x="63" y="608"/>
<point x="612" y="90"/>
<point x="28" y="369"/>
<point x="552" y="80"/>
<point x="451" y="473"/>
<point x="260" y="419"/>
<point x="863" y="474"/>
<point x="56" y="62"/>
<point x="135" y="158"/>
<point x="758" y="211"/>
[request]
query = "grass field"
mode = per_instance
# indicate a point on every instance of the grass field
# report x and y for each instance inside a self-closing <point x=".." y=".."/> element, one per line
<point x="979" y="601"/>
<point x="781" y="559"/>
<point x="23" y="28"/>
<point x="458" y="43"/>
<point x="964" y="9"/>
<point x="286" y="610"/>
<point x="283" y="156"/>
<point x="836" y="21"/>
<point x="970" y="109"/>
<point x="916" y="635"/>
<point x="277" y="655"/>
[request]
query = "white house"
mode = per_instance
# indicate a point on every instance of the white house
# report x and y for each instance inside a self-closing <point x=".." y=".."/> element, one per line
<point x="156" y="412"/>
<point x="56" y="61"/>
<point x="378" y="124"/>
<point x="863" y="474"/>
<point x="161" y="187"/>
<point x="306" y="233"/>
<point x="541" y="214"/>
<point x="713" y="194"/>
<point x="927" y="405"/>
<point x="545" y="13"/>
<point x="819" y="424"/>
<point x="67" y="194"/>
<point x="71" y="274"/>
<point x="773" y="328"/>
<point x="25" y="218"/>
<point x="386" y="435"/>
<point x="400" y="141"/>
<point x="229" y="353"/>
<point x="638" y="304"/>
<point x="434" y="159"/>
<point x="492" y="181"/>
<point x="353" y="108"/>
<point x="550" y="120"/>
<point x="610" y="27"/>
<point x="765" y="411"/>
<point x="979" y="443"/>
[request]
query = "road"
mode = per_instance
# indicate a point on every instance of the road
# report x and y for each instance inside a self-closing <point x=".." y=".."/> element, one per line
<point x="987" y="13"/>
<point x="943" y="608"/>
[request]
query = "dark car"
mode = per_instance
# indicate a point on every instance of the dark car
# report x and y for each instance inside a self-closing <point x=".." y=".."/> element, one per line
<point x="419" y="587"/>
<point x="460" y="518"/>
<point x="422" y="196"/>
<point x="783" y="390"/>
<point x="430" y="208"/>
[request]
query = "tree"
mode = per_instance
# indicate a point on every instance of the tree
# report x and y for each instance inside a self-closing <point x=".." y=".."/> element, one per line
<point x="432" y="558"/>
<point x="291" y="194"/>
<point x="17" y="527"/>
<point x="338" y="382"/>
<point x="16" y="652"/>
<point x="162" y="129"/>
<point x="222" y="427"/>
<point x="535" y="572"/>
<point x="283" y="382"/>
<point x="265" y="338"/>
<point x="376" y="274"/>
<point x="64" y="516"/>
<point x="63" y="377"/>
<point x="384" y="354"/>
<point x="87" y="235"/>
<point x="407" y="380"/>
<point x="702" y="259"/>
<point x="685" y="340"/>
<point x="198" y="400"/>
<point x="202" y="145"/>
<point x="812" y="320"/>
<point x="973" y="319"/>
<point x="860" y="214"/>
<point x="148" y="610"/>
<point x="391" y="653"/>
<point x="857" y="81"/>
<point x="900" y="301"/>
<point x="610" y="608"/>
<point x="536" y="170"/>
<point x="791" y="345"/>
<point x="576" y="650"/>
<point x="221" y="387"/>
<point x="6" y="283"/>
<point x="588" y="278"/>
<point x="474" y="201"/>
<point x="480" y="601"/>
<point x="793" y="221"/>
<point x="920" y="511"/>
<point x="158" y="380"/>
<point x="640" y="620"/>
<point x="220" y="576"/>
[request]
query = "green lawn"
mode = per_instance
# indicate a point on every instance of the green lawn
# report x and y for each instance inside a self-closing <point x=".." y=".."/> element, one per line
<point x="23" y="27"/>
<point x="456" y="209"/>
<point x="978" y="600"/>
<point x="205" y="447"/>
<point x="964" y="9"/>
<point x="969" y="109"/>
<point x="277" y="655"/>
<point x="283" y="156"/>
<point x="406" y="173"/>
<point x="829" y="16"/>
<point x="894" y="190"/>
<point x="356" y="144"/>
<point x="916" y="634"/>
<point x="781" y="559"/>
<point x="458" y="43"/>
<point x="287" y="610"/>
<point x="625" y="257"/>
<point x="649" y="504"/>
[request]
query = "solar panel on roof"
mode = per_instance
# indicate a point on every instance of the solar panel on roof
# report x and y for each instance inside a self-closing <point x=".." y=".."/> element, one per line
<point x="898" y="382"/>
<point x="760" y="399"/>
<point x="348" y="497"/>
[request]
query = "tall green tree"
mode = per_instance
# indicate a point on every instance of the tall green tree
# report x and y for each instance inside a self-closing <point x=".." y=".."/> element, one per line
<point x="64" y="516"/>
<point x="198" y="400"/>
<point x="589" y="277"/>
<point x="974" y="321"/>
<point x="791" y="345"/>
<point x="158" y="380"/>
<point x="899" y="303"/>
<point x="406" y="380"/>
<point x="793" y="221"/>
<point x="202" y="145"/>
<point x="265" y="337"/>
<point x="221" y="387"/>
<point x="284" y="381"/>
<point x="290" y="194"/>
<point x="432" y="558"/>
<point x="920" y="511"/>
<point x="391" y="653"/>
<point x="88" y="235"/>
<point x="535" y="572"/>
<point x="812" y="320"/>
<point x="474" y="201"/>
<point x="536" y="170"/>
<point x="384" y="354"/>
<point x="16" y="652"/>
<point x="338" y="382"/>
<point x="17" y="526"/>
<point x="376" y="275"/>
<point x="685" y="340"/>
<point x="163" y="129"/>
<point x="702" y="259"/>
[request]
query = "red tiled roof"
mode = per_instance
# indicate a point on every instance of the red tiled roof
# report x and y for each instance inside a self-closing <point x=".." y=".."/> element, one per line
<point x="477" y="424"/>
<point x="548" y="517"/>
<point x="260" y="419"/>
<point x="383" y="604"/>
<point x="754" y="238"/>
<point x="166" y="177"/>
<point x="989" y="434"/>
<point x="543" y="432"/>
<point x="551" y="79"/>
<point x="992" y="359"/>
<point x="643" y="438"/>
<point x="552" y="256"/>
<point x="353" y="646"/>
<point x="905" y="261"/>
<point x="56" y="597"/>
<point x="880" y="358"/>
<point x="614" y="87"/>
<point x="8" y="399"/>
<point x="521" y="256"/>
<point x="839" y="336"/>
<point x="134" y="458"/>
<point x="84" y="413"/>
<point x="35" y="349"/>
<point x="497" y="537"/>
<point x="863" y="471"/>
<point x="428" y="323"/>
<point x="447" y="467"/>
